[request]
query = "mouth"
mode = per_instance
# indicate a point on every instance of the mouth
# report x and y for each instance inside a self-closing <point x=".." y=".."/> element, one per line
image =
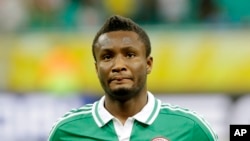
<point x="119" y="79"/>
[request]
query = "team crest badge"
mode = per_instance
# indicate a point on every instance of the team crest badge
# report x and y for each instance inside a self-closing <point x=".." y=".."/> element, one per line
<point x="159" y="139"/>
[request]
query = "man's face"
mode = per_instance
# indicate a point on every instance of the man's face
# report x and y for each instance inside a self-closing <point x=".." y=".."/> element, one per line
<point x="121" y="64"/>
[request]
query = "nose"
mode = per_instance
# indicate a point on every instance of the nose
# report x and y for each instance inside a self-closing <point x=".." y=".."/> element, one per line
<point x="119" y="64"/>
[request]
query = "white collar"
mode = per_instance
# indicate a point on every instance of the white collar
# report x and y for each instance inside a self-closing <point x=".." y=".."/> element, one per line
<point x="147" y="115"/>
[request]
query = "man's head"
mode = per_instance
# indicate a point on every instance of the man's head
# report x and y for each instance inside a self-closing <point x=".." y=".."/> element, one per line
<point x="116" y="23"/>
<point x="122" y="53"/>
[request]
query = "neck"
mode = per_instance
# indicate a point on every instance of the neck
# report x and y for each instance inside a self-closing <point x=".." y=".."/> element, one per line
<point x="125" y="109"/>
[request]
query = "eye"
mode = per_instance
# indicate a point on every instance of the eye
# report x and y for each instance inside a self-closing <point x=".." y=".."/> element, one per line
<point x="130" y="55"/>
<point x="106" y="57"/>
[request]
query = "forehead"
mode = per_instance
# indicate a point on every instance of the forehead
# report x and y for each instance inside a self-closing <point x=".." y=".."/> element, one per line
<point x="119" y="38"/>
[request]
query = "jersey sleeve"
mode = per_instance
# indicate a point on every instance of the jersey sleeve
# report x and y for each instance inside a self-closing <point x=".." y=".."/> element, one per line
<point x="54" y="135"/>
<point x="203" y="132"/>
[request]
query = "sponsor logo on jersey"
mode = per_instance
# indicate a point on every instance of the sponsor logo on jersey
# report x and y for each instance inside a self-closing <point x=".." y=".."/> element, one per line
<point x="159" y="139"/>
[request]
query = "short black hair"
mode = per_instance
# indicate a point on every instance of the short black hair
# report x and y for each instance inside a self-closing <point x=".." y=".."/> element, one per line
<point x="119" y="23"/>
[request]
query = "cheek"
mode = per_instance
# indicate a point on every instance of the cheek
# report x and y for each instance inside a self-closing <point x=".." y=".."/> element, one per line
<point x="103" y="70"/>
<point x="140" y="69"/>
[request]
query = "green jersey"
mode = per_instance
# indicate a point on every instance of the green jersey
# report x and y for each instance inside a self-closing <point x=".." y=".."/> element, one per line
<point x="155" y="122"/>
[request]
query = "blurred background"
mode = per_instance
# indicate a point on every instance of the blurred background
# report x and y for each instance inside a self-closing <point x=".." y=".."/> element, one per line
<point x="200" y="47"/>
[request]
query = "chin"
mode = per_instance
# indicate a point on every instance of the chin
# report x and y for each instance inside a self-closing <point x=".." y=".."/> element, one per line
<point x="122" y="94"/>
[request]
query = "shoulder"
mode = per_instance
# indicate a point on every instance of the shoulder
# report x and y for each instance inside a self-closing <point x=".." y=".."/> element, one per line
<point x="181" y="112"/>
<point x="175" y="110"/>
<point x="185" y="115"/>
<point x="73" y="116"/>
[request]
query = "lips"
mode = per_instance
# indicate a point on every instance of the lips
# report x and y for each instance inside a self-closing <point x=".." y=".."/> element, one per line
<point x="119" y="78"/>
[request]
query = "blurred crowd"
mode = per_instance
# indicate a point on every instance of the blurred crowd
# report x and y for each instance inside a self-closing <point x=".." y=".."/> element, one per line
<point x="22" y="56"/>
<point x="18" y="15"/>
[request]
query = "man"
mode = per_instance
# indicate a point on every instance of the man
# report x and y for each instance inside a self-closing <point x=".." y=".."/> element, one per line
<point x="127" y="111"/>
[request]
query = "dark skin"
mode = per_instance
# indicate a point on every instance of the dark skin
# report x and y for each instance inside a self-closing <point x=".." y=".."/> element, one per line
<point x="122" y="67"/>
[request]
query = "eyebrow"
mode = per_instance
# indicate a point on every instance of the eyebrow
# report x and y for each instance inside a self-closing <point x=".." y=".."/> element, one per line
<point x="129" y="48"/>
<point x="105" y="50"/>
<point x="110" y="50"/>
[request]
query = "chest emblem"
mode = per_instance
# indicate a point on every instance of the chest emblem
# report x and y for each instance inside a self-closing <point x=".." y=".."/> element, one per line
<point x="160" y="139"/>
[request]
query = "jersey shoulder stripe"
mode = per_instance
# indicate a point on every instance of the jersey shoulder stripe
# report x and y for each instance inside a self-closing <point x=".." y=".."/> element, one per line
<point x="187" y="113"/>
<point x="73" y="114"/>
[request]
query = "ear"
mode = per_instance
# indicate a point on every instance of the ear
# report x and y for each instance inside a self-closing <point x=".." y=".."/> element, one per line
<point x="96" y="70"/>
<point x="149" y="64"/>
